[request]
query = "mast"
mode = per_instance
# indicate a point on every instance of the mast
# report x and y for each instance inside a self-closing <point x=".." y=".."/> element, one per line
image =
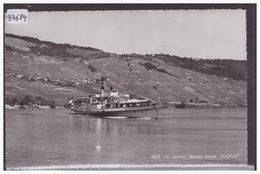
<point x="102" y="88"/>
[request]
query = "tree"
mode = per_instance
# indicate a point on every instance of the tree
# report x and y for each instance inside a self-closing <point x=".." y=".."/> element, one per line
<point x="52" y="104"/>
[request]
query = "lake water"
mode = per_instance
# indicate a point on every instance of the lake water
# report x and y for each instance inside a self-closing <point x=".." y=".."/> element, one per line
<point x="59" y="139"/>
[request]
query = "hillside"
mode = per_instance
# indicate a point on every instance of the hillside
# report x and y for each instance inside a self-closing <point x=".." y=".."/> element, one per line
<point x="59" y="71"/>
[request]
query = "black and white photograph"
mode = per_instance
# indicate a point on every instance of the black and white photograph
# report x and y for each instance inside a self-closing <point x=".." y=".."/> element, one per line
<point x="129" y="86"/>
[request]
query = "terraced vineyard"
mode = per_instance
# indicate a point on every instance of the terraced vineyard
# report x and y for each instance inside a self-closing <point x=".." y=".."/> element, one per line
<point x="59" y="71"/>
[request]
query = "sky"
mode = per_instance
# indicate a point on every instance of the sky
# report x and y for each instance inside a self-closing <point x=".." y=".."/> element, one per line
<point x="211" y="34"/>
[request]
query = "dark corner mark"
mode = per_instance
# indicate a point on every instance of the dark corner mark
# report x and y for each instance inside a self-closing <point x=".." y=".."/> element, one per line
<point x="93" y="7"/>
<point x="4" y="133"/>
<point x="251" y="84"/>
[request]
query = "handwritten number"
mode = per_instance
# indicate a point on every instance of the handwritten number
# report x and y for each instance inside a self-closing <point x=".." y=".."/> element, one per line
<point x="16" y="18"/>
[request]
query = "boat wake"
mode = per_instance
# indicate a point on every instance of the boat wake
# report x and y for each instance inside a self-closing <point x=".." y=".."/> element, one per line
<point x="117" y="117"/>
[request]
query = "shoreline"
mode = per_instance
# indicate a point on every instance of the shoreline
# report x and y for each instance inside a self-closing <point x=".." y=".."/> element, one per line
<point x="18" y="107"/>
<point x="8" y="107"/>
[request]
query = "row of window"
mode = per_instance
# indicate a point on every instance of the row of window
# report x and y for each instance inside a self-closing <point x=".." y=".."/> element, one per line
<point x="127" y="105"/>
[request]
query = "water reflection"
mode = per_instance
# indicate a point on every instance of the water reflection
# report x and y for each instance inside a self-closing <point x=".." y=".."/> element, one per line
<point x="77" y="123"/>
<point x="115" y="126"/>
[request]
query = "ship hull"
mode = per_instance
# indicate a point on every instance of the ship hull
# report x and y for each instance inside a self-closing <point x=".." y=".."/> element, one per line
<point x="120" y="112"/>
